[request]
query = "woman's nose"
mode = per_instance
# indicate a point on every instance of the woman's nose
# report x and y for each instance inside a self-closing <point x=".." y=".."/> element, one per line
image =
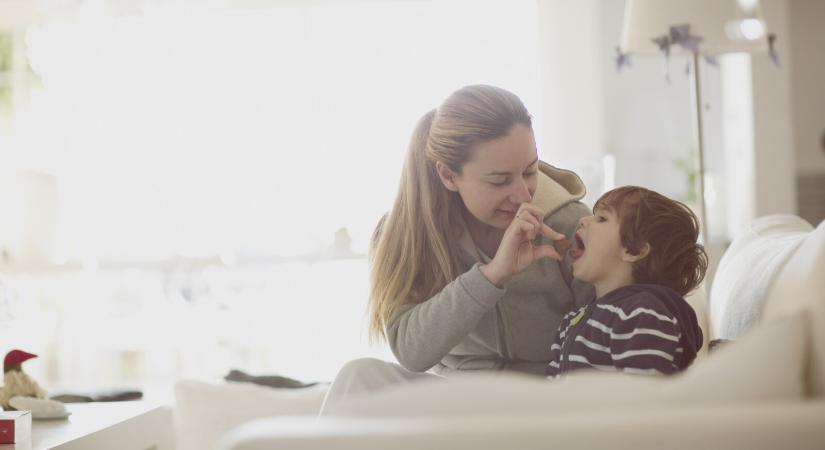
<point x="521" y="193"/>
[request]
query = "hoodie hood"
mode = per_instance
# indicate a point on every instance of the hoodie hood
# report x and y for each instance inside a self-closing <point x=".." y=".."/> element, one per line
<point x="556" y="188"/>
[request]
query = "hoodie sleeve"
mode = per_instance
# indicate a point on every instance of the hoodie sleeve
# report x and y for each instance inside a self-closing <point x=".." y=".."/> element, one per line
<point x="420" y="335"/>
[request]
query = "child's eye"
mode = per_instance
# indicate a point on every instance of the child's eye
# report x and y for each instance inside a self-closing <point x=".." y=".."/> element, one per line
<point x="502" y="183"/>
<point x="601" y="219"/>
<point x="530" y="174"/>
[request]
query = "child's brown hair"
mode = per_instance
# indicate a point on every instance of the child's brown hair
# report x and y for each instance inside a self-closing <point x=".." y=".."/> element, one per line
<point x="670" y="228"/>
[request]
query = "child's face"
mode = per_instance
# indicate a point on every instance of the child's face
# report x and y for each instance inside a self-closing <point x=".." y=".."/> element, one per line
<point x="598" y="254"/>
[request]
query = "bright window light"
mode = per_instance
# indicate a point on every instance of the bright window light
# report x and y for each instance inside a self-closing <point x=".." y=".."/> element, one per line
<point x="253" y="131"/>
<point x="235" y="136"/>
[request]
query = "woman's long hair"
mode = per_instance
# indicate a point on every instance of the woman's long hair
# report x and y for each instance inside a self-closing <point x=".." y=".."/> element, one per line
<point x="414" y="251"/>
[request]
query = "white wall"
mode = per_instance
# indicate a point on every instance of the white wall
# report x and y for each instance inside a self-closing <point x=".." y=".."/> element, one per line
<point x="647" y="118"/>
<point x="646" y="121"/>
<point x="572" y="126"/>
<point x="775" y="174"/>
<point x="592" y="110"/>
<point x="807" y="56"/>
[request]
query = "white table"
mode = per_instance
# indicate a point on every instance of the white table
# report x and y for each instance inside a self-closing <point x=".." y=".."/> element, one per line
<point x="131" y="425"/>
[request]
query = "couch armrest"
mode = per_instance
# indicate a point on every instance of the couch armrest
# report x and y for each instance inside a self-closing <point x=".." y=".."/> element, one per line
<point x="799" y="425"/>
<point x="204" y="411"/>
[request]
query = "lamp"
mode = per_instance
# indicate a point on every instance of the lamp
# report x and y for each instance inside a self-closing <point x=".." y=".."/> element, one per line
<point x="703" y="29"/>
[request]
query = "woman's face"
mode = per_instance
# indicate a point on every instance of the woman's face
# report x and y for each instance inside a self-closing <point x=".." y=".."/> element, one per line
<point x="500" y="175"/>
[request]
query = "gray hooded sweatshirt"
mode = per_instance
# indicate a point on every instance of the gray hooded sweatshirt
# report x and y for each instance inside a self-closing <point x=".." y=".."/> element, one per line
<point x="473" y="325"/>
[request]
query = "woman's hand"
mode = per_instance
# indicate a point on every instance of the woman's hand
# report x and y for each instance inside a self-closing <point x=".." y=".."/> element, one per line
<point x="516" y="250"/>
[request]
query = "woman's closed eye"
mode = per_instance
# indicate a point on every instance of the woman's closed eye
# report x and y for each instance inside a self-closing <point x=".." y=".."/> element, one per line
<point x="507" y="180"/>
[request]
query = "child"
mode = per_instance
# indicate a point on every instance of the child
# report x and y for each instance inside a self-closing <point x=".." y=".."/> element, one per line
<point x="639" y="251"/>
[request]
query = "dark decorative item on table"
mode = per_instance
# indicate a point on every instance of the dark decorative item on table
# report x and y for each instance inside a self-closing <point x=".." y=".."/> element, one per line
<point x="275" y="381"/>
<point x="98" y="395"/>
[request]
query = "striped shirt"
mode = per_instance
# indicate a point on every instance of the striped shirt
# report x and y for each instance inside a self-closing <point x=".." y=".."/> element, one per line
<point x="641" y="328"/>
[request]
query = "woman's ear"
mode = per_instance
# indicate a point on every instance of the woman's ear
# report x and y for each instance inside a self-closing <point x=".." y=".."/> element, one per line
<point x="447" y="176"/>
<point x="631" y="257"/>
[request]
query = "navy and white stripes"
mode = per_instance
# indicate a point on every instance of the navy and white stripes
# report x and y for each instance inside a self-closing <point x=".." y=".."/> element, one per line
<point x="644" y="329"/>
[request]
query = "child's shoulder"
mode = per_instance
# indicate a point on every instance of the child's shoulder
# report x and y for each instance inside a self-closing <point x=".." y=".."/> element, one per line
<point x="649" y="306"/>
<point x="649" y="296"/>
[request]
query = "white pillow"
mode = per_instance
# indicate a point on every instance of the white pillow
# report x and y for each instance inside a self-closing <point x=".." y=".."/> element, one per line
<point x="766" y="364"/>
<point x="748" y="269"/>
<point x="801" y="282"/>
<point x="205" y="411"/>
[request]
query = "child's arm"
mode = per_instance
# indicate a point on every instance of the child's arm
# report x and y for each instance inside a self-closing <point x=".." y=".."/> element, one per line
<point x="554" y="367"/>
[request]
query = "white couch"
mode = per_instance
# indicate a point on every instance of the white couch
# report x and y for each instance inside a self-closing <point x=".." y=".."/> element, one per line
<point x="765" y="389"/>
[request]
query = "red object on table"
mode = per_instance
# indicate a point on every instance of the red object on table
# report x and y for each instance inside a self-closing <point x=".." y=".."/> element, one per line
<point x="15" y="426"/>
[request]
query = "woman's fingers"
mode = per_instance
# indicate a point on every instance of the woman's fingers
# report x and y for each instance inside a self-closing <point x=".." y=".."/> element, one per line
<point x="516" y="250"/>
<point x="528" y="229"/>
<point x="536" y="251"/>
<point x="551" y="233"/>
<point x="526" y="217"/>
<point x="532" y="214"/>
<point x="529" y="216"/>
<point x="527" y="225"/>
<point x="546" y="251"/>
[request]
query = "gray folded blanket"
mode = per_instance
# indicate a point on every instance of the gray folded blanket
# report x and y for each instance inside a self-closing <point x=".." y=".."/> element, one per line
<point x="102" y="395"/>
<point x="275" y="381"/>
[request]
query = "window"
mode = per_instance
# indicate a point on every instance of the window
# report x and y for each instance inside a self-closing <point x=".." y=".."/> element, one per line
<point x="209" y="178"/>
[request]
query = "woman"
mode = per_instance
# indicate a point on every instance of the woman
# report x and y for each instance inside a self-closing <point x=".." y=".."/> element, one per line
<point x="463" y="272"/>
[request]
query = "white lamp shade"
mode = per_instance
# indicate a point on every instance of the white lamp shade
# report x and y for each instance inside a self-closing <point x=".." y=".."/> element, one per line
<point x="18" y="14"/>
<point x="723" y="25"/>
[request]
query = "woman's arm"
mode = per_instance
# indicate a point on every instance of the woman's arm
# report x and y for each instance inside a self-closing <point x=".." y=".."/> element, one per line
<point x="420" y="335"/>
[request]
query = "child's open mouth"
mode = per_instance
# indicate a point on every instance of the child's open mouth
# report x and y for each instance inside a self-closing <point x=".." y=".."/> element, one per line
<point x="578" y="250"/>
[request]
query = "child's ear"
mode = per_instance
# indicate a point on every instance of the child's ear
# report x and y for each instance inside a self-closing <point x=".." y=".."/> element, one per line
<point x="631" y="258"/>
<point x="447" y="176"/>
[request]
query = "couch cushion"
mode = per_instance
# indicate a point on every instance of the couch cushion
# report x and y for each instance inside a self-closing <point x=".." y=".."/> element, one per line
<point x="800" y="286"/>
<point x="204" y="411"/>
<point x="765" y="365"/>
<point x="698" y="300"/>
<point x="748" y="269"/>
